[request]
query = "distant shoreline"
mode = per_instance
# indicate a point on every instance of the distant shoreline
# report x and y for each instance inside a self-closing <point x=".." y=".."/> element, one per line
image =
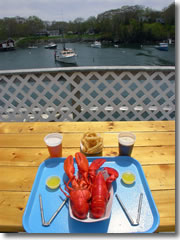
<point x="29" y="41"/>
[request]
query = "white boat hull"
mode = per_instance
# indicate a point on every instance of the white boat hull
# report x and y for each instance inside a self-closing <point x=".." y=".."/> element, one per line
<point x="162" y="47"/>
<point x="32" y="47"/>
<point x="71" y="59"/>
<point x="96" y="44"/>
<point x="51" y="45"/>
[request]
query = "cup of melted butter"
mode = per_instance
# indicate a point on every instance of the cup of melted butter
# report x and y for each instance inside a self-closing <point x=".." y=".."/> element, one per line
<point x="53" y="182"/>
<point x="128" y="177"/>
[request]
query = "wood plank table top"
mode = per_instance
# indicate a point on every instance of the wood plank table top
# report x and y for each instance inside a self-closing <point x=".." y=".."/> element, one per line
<point x="22" y="150"/>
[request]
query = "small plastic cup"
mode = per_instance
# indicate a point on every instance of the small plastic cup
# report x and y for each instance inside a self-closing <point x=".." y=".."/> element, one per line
<point x="54" y="144"/>
<point x="126" y="142"/>
<point x="128" y="177"/>
<point x="53" y="182"/>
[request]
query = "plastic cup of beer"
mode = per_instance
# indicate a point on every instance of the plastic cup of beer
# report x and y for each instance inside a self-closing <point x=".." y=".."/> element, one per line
<point x="126" y="142"/>
<point x="54" y="144"/>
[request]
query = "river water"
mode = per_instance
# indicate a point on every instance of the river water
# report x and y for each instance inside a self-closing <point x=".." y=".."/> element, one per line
<point x="146" y="55"/>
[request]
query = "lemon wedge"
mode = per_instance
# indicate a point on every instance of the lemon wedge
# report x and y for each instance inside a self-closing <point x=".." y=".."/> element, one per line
<point x="53" y="182"/>
<point x="128" y="177"/>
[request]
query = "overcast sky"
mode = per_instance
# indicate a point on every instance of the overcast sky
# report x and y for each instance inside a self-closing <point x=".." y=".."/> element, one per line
<point x="69" y="10"/>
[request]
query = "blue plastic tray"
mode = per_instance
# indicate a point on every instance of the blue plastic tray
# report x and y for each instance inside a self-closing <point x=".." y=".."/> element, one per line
<point x="117" y="223"/>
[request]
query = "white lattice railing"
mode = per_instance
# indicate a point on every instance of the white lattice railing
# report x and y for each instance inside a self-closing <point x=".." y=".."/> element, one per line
<point x="88" y="94"/>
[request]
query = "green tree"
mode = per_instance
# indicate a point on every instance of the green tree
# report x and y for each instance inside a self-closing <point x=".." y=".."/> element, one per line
<point x="152" y="15"/>
<point x="3" y="32"/>
<point x="34" y="25"/>
<point x="90" y="24"/>
<point x="78" y="25"/>
<point x="158" y="31"/>
<point x="126" y="24"/>
<point x="136" y="31"/>
<point x="169" y="14"/>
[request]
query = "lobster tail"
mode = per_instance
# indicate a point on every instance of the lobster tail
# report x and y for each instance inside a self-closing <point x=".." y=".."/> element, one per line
<point x="98" y="207"/>
<point x="100" y="196"/>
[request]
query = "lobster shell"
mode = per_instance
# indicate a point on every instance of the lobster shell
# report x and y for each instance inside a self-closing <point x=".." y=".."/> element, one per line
<point x="100" y="196"/>
<point x="79" y="200"/>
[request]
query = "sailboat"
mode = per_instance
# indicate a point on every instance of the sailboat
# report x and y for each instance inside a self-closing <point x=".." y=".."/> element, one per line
<point x="67" y="55"/>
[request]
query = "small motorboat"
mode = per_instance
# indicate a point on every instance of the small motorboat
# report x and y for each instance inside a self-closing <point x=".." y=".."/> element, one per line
<point x="51" y="45"/>
<point x="96" y="44"/>
<point x="162" y="46"/>
<point x="67" y="55"/>
<point x="32" y="47"/>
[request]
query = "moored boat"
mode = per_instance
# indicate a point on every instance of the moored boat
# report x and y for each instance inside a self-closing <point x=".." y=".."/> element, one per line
<point x="7" y="45"/>
<point x="162" y="46"/>
<point x="51" y="45"/>
<point x="67" y="55"/>
<point x="96" y="44"/>
<point x="31" y="47"/>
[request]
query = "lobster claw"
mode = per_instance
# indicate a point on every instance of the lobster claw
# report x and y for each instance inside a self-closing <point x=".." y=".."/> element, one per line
<point x="113" y="174"/>
<point x="95" y="165"/>
<point x="69" y="167"/>
<point x="82" y="164"/>
<point x="70" y="170"/>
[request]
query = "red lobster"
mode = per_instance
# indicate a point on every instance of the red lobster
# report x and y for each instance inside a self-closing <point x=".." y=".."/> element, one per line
<point x="100" y="196"/>
<point x="80" y="192"/>
<point x="88" y="185"/>
<point x="100" y="192"/>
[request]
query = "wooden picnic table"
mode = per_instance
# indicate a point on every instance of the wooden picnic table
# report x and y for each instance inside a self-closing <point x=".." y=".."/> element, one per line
<point x="22" y="150"/>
